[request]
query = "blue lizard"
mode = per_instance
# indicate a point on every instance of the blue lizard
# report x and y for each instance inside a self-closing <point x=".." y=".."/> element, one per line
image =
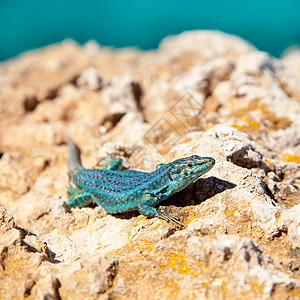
<point x="121" y="191"/>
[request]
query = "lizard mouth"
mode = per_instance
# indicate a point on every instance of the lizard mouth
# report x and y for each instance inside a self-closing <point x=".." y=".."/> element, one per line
<point x="202" y="168"/>
<point x="206" y="165"/>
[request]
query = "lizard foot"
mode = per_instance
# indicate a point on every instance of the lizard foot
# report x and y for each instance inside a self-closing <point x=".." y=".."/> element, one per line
<point x="175" y="221"/>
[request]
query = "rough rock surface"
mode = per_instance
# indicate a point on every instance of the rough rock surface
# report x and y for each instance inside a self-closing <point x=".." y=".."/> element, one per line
<point x="202" y="93"/>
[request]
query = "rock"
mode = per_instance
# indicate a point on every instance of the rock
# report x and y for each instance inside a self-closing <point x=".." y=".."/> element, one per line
<point x="28" y="268"/>
<point x="200" y="93"/>
<point x="91" y="78"/>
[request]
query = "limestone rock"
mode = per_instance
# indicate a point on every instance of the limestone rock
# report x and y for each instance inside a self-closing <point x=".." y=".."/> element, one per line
<point x="201" y="92"/>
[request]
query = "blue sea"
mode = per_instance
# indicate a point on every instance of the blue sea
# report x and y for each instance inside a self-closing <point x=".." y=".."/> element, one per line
<point x="270" y="25"/>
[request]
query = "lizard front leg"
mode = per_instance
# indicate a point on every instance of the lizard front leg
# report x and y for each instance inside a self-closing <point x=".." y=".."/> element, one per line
<point x="147" y="208"/>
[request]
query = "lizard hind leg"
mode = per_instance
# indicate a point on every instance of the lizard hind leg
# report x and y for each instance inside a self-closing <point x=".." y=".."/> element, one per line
<point x="150" y="211"/>
<point x="79" y="198"/>
<point x="175" y="221"/>
<point x="112" y="163"/>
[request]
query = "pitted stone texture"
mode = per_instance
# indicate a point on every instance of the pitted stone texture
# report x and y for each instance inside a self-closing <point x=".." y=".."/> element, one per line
<point x="201" y="93"/>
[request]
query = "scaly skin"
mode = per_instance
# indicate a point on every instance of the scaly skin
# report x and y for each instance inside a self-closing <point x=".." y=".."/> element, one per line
<point x="121" y="191"/>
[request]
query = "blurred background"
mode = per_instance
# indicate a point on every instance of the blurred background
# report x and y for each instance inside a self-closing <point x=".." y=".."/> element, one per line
<point x="270" y="25"/>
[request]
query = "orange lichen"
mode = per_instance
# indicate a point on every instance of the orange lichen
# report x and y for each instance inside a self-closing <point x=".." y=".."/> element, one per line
<point x="209" y="126"/>
<point x="254" y="124"/>
<point x="229" y="213"/>
<point x="185" y="140"/>
<point x="274" y="122"/>
<point x="292" y="158"/>
<point x="239" y="127"/>
<point x="191" y="217"/>
<point x="177" y="262"/>
<point x="247" y="124"/>
<point x="266" y="118"/>
<point x="258" y="289"/>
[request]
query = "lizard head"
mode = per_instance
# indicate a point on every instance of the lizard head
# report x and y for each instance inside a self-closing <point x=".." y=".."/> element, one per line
<point x="184" y="171"/>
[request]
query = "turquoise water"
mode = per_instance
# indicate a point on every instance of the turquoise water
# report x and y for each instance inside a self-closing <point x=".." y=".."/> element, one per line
<point x="271" y="25"/>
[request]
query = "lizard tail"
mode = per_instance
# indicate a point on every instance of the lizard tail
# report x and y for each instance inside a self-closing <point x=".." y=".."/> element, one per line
<point x="74" y="161"/>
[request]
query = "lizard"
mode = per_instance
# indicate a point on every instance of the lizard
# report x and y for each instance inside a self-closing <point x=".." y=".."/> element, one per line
<point x="119" y="191"/>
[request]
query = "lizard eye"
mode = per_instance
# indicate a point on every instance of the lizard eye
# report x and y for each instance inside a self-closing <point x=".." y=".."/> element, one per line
<point x="189" y="165"/>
